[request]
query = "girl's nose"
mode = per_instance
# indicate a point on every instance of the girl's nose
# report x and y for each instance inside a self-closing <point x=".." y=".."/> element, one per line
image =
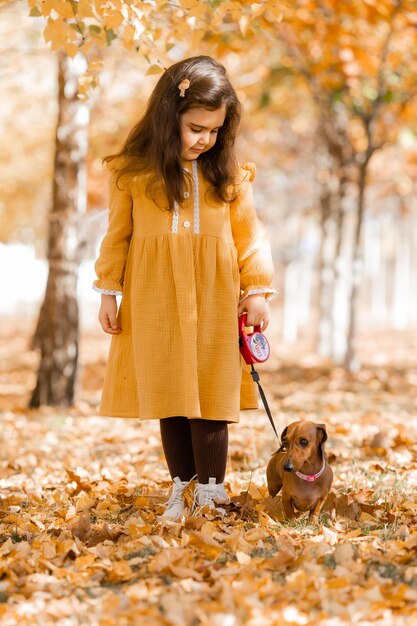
<point x="204" y="138"/>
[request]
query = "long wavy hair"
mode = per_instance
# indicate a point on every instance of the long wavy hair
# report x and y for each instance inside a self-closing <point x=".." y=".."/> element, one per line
<point x="154" y="143"/>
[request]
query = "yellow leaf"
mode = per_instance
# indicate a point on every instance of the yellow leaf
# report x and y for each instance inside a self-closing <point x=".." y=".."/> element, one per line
<point x="141" y="501"/>
<point x="113" y="19"/>
<point x="64" y="9"/>
<point x="138" y="530"/>
<point x="84" y="9"/>
<point x="210" y="547"/>
<point x="164" y="559"/>
<point x="86" y="46"/>
<point x="242" y="557"/>
<point x="154" y="69"/>
<point x="338" y="583"/>
<point x="128" y="35"/>
<point x="365" y="517"/>
<point x="95" y="66"/>
<point x="81" y="562"/>
<point x="209" y="528"/>
<point x="121" y="572"/>
<point x="57" y="33"/>
<point x="71" y="49"/>
<point x="84" y="503"/>
<point x="188" y="4"/>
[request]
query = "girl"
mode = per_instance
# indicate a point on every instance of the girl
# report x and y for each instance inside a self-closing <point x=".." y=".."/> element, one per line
<point x="185" y="249"/>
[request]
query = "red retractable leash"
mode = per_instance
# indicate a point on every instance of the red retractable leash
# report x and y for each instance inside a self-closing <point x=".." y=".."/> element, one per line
<point x="254" y="348"/>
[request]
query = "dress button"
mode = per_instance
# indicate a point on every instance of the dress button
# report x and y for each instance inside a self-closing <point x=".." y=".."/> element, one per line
<point x="186" y="224"/>
<point x="186" y="194"/>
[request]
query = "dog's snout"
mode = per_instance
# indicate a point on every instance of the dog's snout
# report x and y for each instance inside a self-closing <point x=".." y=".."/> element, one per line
<point x="288" y="466"/>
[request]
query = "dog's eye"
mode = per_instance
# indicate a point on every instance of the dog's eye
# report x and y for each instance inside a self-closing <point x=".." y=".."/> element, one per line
<point x="284" y="443"/>
<point x="303" y="443"/>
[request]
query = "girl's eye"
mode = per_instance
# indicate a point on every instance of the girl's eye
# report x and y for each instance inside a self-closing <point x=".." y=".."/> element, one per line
<point x="303" y="443"/>
<point x="198" y="130"/>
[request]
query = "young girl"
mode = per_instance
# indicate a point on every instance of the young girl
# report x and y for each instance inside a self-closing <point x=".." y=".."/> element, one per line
<point x="187" y="253"/>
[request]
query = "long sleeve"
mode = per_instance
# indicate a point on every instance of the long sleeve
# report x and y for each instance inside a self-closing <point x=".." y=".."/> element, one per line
<point x="251" y="240"/>
<point x="110" y="265"/>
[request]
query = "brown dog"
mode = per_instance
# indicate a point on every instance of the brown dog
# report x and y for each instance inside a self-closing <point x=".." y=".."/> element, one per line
<point x="301" y="469"/>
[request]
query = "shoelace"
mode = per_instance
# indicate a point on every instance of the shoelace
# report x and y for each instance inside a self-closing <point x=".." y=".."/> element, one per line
<point x="176" y="495"/>
<point x="177" y="491"/>
<point x="205" y="494"/>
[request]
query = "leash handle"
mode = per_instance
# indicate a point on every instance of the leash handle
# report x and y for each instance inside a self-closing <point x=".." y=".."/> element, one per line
<point x="254" y="347"/>
<point x="243" y="322"/>
<point x="255" y="377"/>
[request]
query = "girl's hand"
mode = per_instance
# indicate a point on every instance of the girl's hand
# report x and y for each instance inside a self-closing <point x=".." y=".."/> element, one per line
<point x="257" y="309"/>
<point x="107" y="315"/>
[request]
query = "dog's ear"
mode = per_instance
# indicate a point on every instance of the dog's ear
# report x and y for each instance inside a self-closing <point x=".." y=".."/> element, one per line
<point x="284" y="433"/>
<point x="322" y="432"/>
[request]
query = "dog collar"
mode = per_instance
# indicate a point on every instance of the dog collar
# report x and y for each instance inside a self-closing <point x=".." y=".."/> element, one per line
<point x="311" y="478"/>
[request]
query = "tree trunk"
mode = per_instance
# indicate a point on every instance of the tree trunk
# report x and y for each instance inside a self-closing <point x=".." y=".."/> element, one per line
<point x="340" y="295"/>
<point x="352" y="363"/>
<point x="325" y="274"/>
<point x="57" y="330"/>
<point x="401" y="299"/>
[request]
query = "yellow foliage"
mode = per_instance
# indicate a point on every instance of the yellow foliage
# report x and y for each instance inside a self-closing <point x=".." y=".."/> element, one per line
<point x="154" y="69"/>
<point x="71" y="49"/>
<point x="57" y="32"/>
<point x="113" y="19"/>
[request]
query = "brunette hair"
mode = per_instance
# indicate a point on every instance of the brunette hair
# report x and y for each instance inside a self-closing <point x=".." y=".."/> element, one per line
<point x="154" y="143"/>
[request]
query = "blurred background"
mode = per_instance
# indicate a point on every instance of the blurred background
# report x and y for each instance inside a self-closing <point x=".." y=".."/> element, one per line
<point x="329" y="93"/>
<point x="328" y="90"/>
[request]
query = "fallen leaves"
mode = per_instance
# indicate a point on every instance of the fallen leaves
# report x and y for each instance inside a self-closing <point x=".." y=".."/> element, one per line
<point x="81" y="543"/>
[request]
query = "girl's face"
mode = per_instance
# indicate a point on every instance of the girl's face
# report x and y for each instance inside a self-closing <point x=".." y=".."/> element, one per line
<point x="199" y="128"/>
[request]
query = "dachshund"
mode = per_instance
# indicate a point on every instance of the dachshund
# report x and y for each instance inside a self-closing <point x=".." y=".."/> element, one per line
<point x="300" y="468"/>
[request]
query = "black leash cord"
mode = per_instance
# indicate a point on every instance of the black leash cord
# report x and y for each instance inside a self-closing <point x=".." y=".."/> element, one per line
<point x="255" y="377"/>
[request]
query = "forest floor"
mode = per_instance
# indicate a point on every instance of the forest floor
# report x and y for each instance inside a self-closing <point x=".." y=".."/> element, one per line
<point x="80" y="540"/>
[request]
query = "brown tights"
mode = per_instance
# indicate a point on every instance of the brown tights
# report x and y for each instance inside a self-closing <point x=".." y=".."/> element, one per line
<point x="195" y="446"/>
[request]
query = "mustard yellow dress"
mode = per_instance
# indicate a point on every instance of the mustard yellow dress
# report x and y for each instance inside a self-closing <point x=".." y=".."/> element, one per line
<point x="182" y="274"/>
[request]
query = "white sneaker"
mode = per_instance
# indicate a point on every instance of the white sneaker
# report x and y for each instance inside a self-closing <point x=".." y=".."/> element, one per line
<point x="175" y="505"/>
<point x="210" y="494"/>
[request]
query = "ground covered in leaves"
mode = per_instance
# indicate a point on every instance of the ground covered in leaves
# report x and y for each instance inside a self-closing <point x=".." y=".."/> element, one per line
<point x="80" y="540"/>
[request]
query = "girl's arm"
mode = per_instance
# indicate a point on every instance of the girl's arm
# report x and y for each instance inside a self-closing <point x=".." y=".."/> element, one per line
<point x="254" y="253"/>
<point x="110" y="265"/>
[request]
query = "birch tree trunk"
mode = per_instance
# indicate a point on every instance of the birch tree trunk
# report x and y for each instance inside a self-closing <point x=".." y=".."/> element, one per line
<point x="401" y="300"/>
<point x="57" y="330"/>
<point x="325" y="274"/>
<point x="352" y="363"/>
<point x="340" y="287"/>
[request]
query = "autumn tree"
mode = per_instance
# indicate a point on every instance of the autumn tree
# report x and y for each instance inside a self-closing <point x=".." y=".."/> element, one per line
<point x="57" y="331"/>
<point x="359" y="62"/>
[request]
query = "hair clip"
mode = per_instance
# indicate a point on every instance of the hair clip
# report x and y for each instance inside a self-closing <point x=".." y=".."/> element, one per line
<point x="184" y="84"/>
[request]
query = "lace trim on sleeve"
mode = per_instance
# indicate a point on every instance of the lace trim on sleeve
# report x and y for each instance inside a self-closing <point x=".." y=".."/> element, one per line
<point x="253" y="292"/>
<point x="107" y="292"/>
